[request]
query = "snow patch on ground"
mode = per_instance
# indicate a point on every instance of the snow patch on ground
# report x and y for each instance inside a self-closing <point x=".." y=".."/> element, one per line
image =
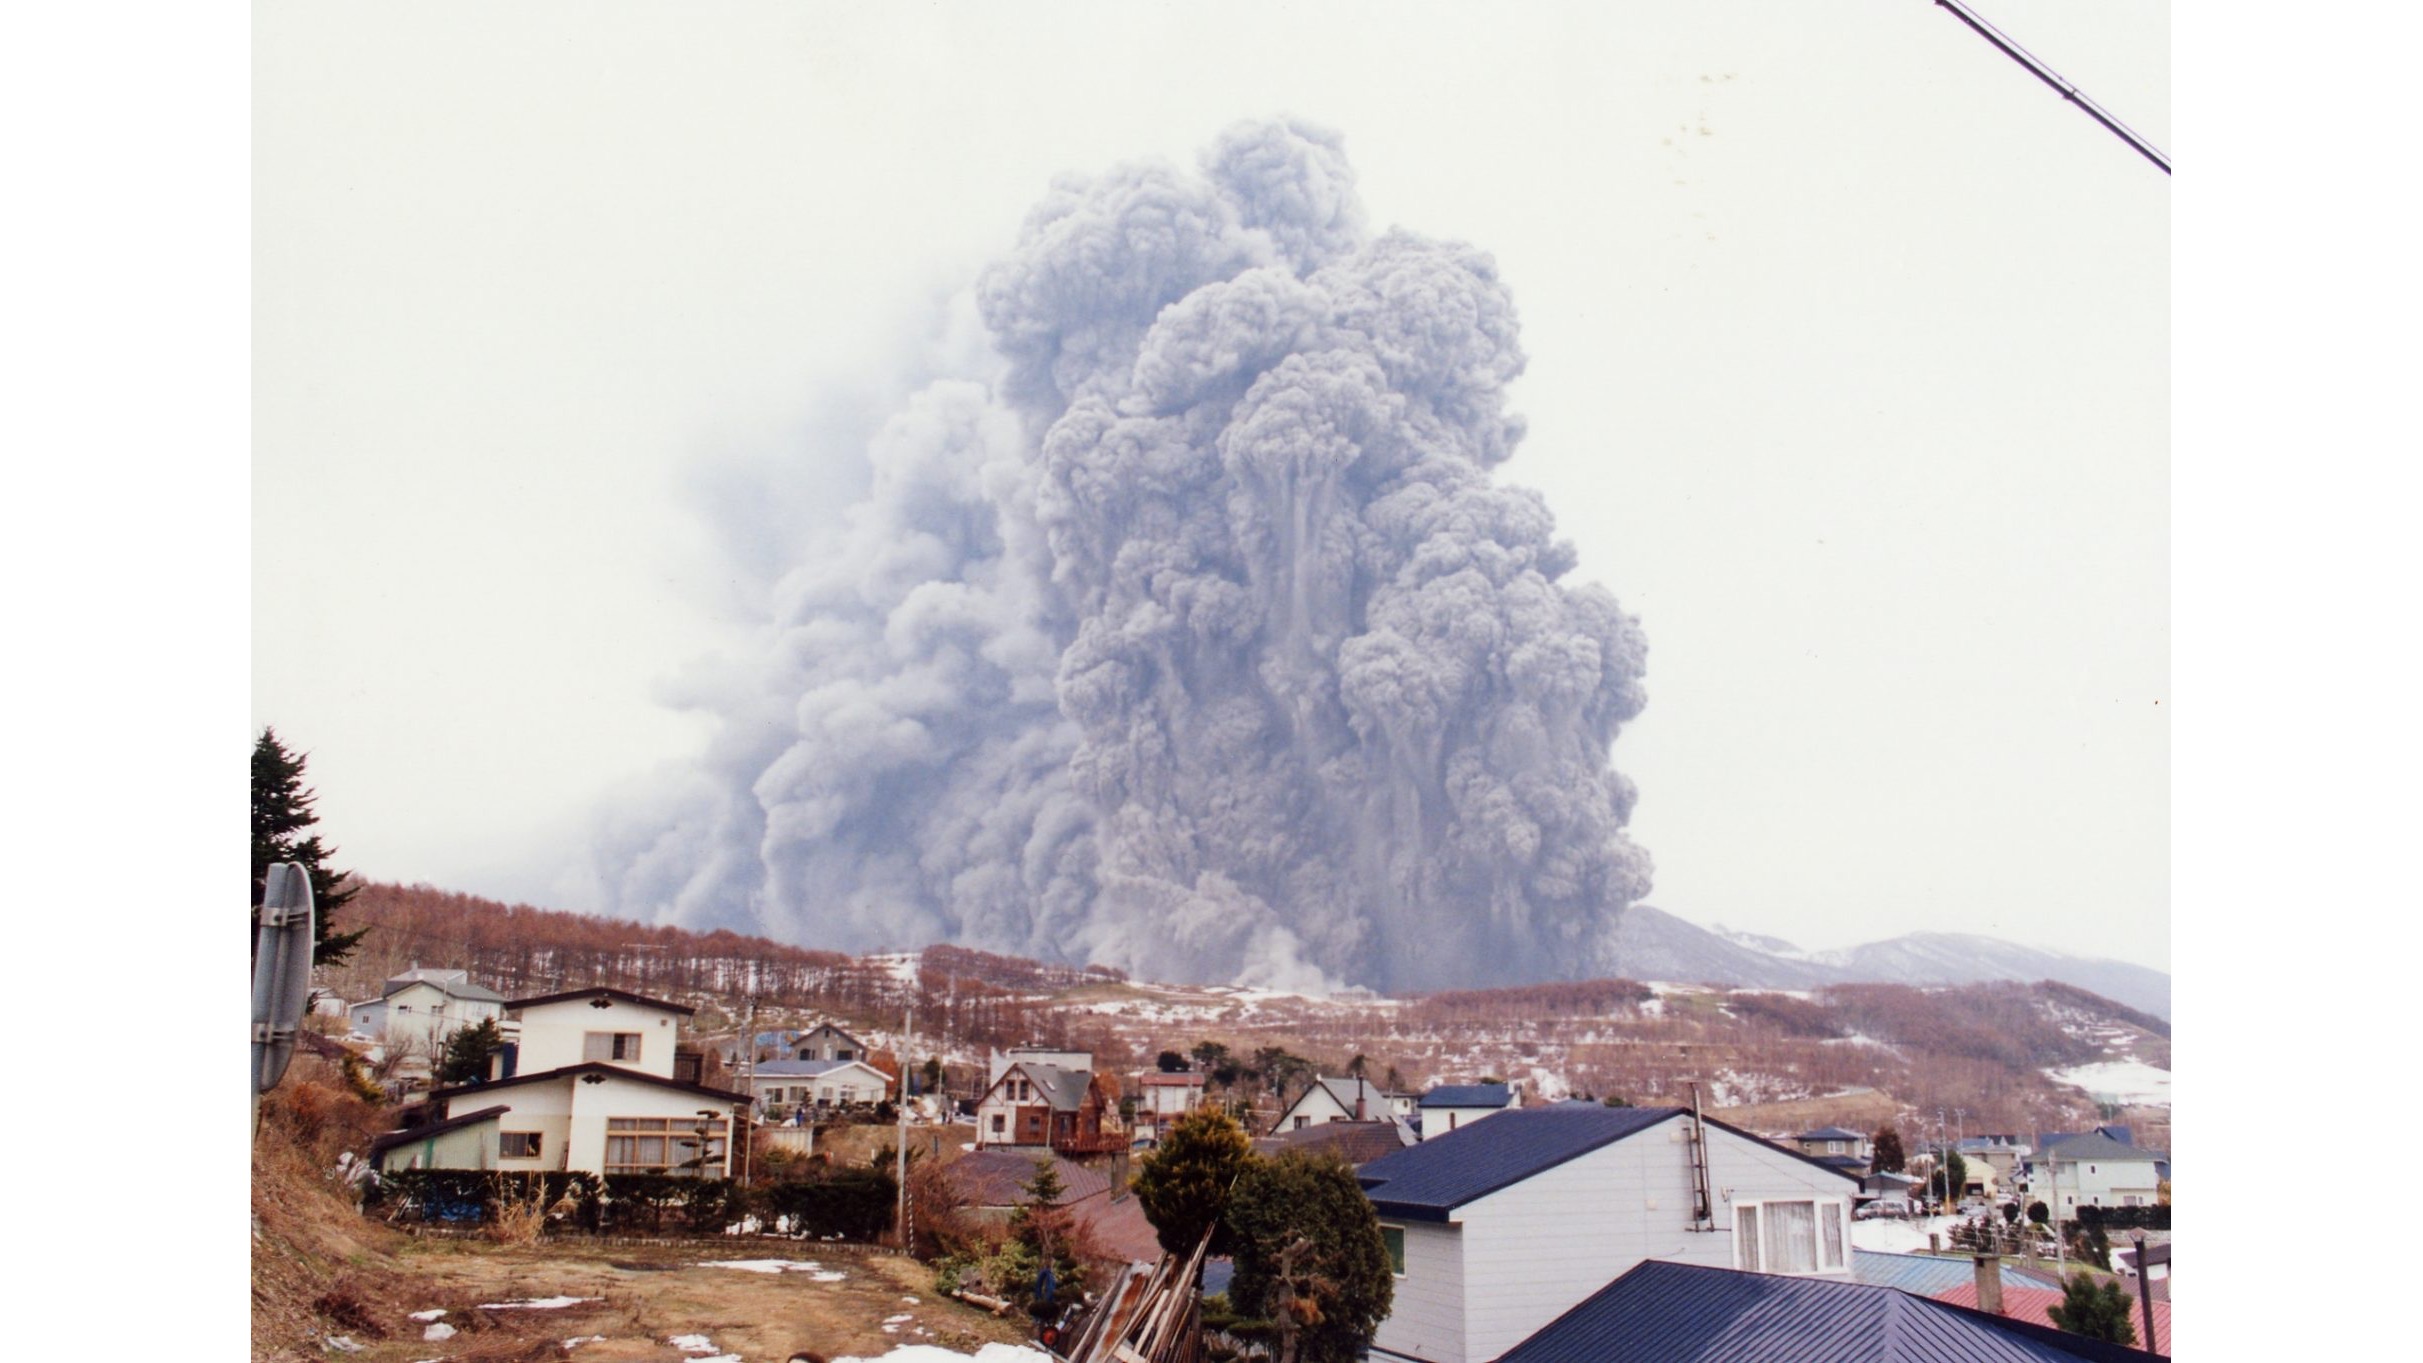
<point x="692" y="1344"/>
<point x="766" y="1265"/>
<point x="2124" y="1081"/>
<point x="434" y="1313"/>
<point x="1894" y="1235"/>
<point x="536" y="1304"/>
<point x="828" y="1276"/>
<point x="935" y="1353"/>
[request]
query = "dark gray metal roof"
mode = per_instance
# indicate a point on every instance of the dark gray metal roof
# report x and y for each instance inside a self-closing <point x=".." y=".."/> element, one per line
<point x="1063" y="1090"/>
<point x="1426" y="1182"/>
<point x="2096" y="1146"/>
<point x="1468" y="1095"/>
<point x="1685" y="1313"/>
<point x="600" y="992"/>
<point x="1829" y="1133"/>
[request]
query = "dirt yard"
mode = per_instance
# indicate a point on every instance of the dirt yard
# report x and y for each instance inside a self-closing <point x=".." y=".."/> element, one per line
<point x="743" y="1300"/>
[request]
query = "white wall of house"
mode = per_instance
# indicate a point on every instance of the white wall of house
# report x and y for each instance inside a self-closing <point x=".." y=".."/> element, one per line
<point x="555" y="1035"/>
<point x="1523" y="1255"/>
<point x="471" y="1147"/>
<point x="423" y="1015"/>
<point x="828" y="1042"/>
<point x="848" y="1083"/>
<point x="1427" y="1319"/>
<point x="1167" y="1102"/>
<point x="1438" y="1121"/>
<point x="594" y="1104"/>
<point x="2106" y="1183"/>
<point x="1320" y="1104"/>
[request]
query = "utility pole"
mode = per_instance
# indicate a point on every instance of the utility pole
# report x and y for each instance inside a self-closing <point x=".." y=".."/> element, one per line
<point x="748" y="1085"/>
<point x="900" y="1143"/>
<point x="2145" y="1292"/>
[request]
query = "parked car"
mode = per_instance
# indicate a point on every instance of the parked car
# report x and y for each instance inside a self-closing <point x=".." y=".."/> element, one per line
<point x="1885" y="1206"/>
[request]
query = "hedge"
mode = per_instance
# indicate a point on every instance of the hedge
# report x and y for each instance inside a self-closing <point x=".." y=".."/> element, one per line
<point x="621" y="1204"/>
<point x="2156" y="1217"/>
<point x="853" y="1204"/>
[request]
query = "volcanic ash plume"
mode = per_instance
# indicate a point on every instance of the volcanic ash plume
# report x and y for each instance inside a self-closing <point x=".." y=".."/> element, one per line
<point x="1196" y="641"/>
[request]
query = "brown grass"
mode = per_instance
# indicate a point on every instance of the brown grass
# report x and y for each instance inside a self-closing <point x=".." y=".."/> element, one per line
<point x="319" y="1269"/>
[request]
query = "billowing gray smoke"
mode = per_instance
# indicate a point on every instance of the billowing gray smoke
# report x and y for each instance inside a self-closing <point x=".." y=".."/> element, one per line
<point x="1198" y="641"/>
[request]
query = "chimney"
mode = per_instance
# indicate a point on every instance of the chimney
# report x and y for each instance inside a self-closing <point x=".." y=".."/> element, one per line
<point x="1360" y="1115"/>
<point x="1989" y="1284"/>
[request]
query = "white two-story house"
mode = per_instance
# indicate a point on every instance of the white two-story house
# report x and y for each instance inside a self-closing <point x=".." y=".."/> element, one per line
<point x="421" y="1007"/>
<point x="1333" y="1098"/>
<point x="2093" y="1170"/>
<point x="1500" y="1226"/>
<point x="587" y="1083"/>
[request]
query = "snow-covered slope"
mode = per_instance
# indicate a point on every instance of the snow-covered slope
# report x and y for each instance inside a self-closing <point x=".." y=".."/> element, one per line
<point x="1652" y="944"/>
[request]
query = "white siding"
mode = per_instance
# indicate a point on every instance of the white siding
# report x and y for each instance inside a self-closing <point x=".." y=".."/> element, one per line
<point x="554" y="1035"/>
<point x="2105" y="1183"/>
<point x="1530" y="1252"/>
<point x="1427" y="1319"/>
<point x="1438" y="1121"/>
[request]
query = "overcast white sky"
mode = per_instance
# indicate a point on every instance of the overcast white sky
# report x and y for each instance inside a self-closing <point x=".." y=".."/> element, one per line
<point x="1849" y="376"/>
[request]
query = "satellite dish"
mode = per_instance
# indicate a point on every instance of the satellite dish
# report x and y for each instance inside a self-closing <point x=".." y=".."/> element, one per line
<point x="281" y="973"/>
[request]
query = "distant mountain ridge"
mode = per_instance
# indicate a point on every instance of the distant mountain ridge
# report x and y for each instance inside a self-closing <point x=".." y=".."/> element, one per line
<point x="1652" y="944"/>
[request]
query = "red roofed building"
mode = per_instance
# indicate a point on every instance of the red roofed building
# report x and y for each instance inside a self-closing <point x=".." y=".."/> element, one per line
<point x="2034" y="1305"/>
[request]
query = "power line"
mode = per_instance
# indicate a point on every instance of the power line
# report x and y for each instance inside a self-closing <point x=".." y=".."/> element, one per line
<point x="2053" y="78"/>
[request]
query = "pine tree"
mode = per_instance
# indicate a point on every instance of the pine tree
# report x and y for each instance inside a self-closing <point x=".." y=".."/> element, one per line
<point x="2097" y="1310"/>
<point x="1182" y="1187"/>
<point x="1890" y="1157"/>
<point x="465" y="1059"/>
<point x="281" y="811"/>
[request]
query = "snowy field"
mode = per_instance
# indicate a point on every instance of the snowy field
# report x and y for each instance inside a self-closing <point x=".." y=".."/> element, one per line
<point x="1892" y="1235"/>
<point x="2122" y="1081"/>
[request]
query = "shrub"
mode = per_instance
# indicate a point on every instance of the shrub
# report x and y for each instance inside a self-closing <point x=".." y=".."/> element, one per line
<point x="854" y="1204"/>
<point x="2097" y="1310"/>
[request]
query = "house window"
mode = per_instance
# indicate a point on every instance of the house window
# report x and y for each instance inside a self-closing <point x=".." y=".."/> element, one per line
<point x="610" y="1046"/>
<point x="1394" y="1238"/>
<point x="662" y="1145"/>
<point x="844" y="1053"/>
<point x="1303" y="1122"/>
<point x="1788" y="1237"/>
<point x="999" y="1122"/>
<point x="517" y="1144"/>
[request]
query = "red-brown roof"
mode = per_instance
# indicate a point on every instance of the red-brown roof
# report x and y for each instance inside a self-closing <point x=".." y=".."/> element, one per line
<point x="2033" y="1305"/>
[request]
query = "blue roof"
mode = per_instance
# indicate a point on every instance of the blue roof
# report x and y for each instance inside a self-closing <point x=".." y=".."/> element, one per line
<point x="1468" y="1095"/>
<point x="1685" y="1313"/>
<point x="1922" y="1274"/>
<point x="1425" y="1182"/>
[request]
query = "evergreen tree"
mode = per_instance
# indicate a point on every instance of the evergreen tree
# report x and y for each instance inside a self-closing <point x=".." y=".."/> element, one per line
<point x="465" y="1058"/>
<point x="1170" y="1062"/>
<point x="1890" y="1157"/>
<point x="1309" y="1256"/>
<point x="1046" y="1231"/>
<point x="281" y="811"/>
<point x="1183" y="1186"/>
<point x="2098" y="1310"/>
